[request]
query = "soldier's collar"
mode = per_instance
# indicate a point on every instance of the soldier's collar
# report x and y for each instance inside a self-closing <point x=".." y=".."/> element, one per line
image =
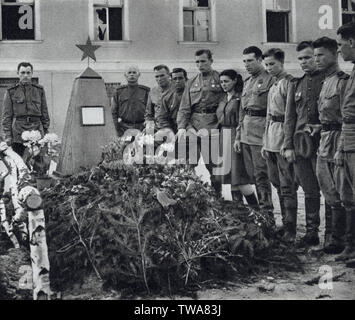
<point x="207" y="74"/>
<point x="334" y="69"/>
<point x="257" y="74"/>
<point x="281" y="75"/>
<point x="25" y="84"/>
<point x="167" y="88"/>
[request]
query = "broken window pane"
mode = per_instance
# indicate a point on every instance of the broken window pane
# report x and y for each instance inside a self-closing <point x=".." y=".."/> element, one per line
<point x="18" y="22"/>
<point x="108" y="23"/>
<point x="101" y="23"/>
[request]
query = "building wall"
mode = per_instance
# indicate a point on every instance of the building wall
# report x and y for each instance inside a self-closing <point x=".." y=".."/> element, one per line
<point x="154" y="35"/>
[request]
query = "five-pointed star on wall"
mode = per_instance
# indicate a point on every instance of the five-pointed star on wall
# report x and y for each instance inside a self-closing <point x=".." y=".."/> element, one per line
<point x="88" y="49"/>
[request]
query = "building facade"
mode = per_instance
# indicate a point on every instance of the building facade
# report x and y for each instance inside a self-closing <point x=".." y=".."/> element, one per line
<point x="151" y="32"/>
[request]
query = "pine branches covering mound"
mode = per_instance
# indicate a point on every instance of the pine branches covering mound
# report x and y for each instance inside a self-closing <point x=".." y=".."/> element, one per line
<point x="151" y="229"/>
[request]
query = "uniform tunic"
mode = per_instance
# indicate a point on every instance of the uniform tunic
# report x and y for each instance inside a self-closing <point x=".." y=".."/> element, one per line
<point x="348" y="129"/>
<point x="330" y="101"/>
<point x="281" y="173"/>
<point x="254" y="98"/>
<point x="128" y="107"/>
<point x="167" y="114"/>
<point x="198" y="107"/>
<point x="154" y="102"/>
<point x="302" y="109"/>
<point x="25" y="108"/>
<point x="228" y="118"/>
<point x="199" y="102"/>
<point x="252" y="119"/>
<point x="347" y="144"/>
<point x="274" y="132"/>
<point x="302" y="105"/>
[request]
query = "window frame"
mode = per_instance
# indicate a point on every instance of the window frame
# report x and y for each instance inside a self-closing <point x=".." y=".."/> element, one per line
<point x="341" y="12"/>
<point x="125" y="20"/>
<point x="36" y="22"/>
<point x="194" y="17"/>
<point x="292" y="36"/>
<point x="212" y="23"/>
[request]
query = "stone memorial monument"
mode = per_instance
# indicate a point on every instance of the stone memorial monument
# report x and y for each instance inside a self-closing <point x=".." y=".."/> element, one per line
<point x="88" y="124"/>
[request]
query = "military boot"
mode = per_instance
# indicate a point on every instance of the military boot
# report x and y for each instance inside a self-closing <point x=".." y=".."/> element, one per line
<point x="281" y="229"/>
<point x="328" y="225"/>
<point x="267" y="208"/>
<point x="312" y="206"/>
<point x="336" y="243"/>
<point x="252" y="201"/>
<point x="216" y="185"/>
<point x="290" y="225"/>
<point x="237" y="197"/>
<point x="349" y="251"/>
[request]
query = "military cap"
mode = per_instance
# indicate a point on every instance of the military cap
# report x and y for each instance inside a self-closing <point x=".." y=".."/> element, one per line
<point x="303" y="143"/>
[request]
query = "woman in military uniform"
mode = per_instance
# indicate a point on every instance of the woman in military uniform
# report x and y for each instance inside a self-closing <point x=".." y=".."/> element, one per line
<point x="228" y="118"/>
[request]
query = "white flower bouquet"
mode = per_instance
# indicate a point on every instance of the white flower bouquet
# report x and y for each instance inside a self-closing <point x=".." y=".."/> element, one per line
<point x="40" y="151"/>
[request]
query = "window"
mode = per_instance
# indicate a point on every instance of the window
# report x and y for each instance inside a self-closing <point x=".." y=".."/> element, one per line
<point x="108" y="20"/>
<point x="196" y="16"/>
<point x="278" y="20"/>
<point x="18" y="20"/>
<point x="348" y="10"/>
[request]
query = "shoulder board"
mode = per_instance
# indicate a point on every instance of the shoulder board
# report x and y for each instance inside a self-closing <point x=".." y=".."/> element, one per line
<point x="123" y="86"/>
<point x="296" y="79"/>
<point x="141" y="86"/>
<point x="191" y="80"/>
<point x="215" y="73"/>
<point x="37" y="85"/>
<point x="247" y="78"/>
<point x="13" y="86"/>
<point x="343" y="75"/>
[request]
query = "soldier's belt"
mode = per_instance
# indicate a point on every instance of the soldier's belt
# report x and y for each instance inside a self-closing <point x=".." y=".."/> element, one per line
<point x="278" y="118"/>
<point x="331" y="126"/>
<point x="255" y="113"/>
<point x="349" y="120"/>
<point x="131" y="123"/>
<point x="28" y="118"/>
<point x="206" y="110"/>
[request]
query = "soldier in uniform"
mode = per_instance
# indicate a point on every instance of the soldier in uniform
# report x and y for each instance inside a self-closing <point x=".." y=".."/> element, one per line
<point x="167" y="114"/>
<point x="345" y="155"/>
<point x="329" y="107"/>
<point x="163" y="79"/>
<point x="25" y="108"/>
<point x="301" y="118"/>
<point x="252" y="118"/>
<point x="129" y="102"/>
<point x="281" y="172"/>
<point x="197" y="112"/>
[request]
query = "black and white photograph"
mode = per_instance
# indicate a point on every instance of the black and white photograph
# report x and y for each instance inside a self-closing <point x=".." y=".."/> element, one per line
<point x="175" y="155"/>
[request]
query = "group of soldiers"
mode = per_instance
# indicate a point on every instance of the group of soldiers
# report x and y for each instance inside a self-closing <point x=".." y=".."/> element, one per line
<point x="289" y="131"/>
